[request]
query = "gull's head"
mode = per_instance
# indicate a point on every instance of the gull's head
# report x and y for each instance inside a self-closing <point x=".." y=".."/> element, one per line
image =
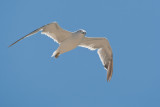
<point x="82" y="31"/>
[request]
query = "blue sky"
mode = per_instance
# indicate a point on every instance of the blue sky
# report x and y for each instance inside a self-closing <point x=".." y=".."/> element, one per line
<point x="29" y="77"/>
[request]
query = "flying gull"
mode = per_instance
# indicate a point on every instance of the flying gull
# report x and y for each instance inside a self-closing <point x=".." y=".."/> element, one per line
<point x="70" y="40"/>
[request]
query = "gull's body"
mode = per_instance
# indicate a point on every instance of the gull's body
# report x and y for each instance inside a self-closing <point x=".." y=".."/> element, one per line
<point x="70" y="40"/>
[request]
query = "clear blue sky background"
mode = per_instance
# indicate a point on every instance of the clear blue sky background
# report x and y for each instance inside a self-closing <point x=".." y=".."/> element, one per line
<point x="29" y="77"/>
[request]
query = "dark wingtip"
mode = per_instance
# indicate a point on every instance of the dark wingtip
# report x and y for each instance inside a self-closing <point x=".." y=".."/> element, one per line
<point x="12" y="44"/>
<point x="109" y="68"/>
<point x="9" y="45"/>
<point x="106" y="67"/>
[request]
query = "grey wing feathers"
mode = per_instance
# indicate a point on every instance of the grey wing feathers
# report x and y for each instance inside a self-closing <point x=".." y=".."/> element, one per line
<point x="55" y="32"/>
<point x="104" y="52"/>
<point x="52" y="30"/>
<point x="33" y="32"/>
<point x="93" y="43"/>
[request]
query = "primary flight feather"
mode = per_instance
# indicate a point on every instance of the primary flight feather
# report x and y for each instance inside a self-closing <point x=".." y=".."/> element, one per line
<point x="70" y="40"/>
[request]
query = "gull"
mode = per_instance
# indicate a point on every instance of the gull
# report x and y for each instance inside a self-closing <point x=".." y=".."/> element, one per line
<point x="70" y="40"/>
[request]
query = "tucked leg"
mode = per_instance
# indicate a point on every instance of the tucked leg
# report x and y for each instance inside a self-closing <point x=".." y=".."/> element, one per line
<point x="57" y="55"/>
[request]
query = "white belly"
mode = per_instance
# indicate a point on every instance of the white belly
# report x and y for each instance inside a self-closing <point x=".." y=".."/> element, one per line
<point x="70" y="43"/>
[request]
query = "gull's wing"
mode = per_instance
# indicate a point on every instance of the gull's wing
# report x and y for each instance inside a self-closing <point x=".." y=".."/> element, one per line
<point x="104" y="52"/>
<point x="52" y="30"/>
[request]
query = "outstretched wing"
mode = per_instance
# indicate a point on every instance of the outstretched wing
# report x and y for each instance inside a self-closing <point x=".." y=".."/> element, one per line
<point x="104" y="52"/>
<point x="55" y="32"/>
<point x="52" y="30"/>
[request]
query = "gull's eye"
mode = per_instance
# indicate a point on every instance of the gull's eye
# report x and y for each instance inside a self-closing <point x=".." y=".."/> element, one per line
<point x="84" y="33"/>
